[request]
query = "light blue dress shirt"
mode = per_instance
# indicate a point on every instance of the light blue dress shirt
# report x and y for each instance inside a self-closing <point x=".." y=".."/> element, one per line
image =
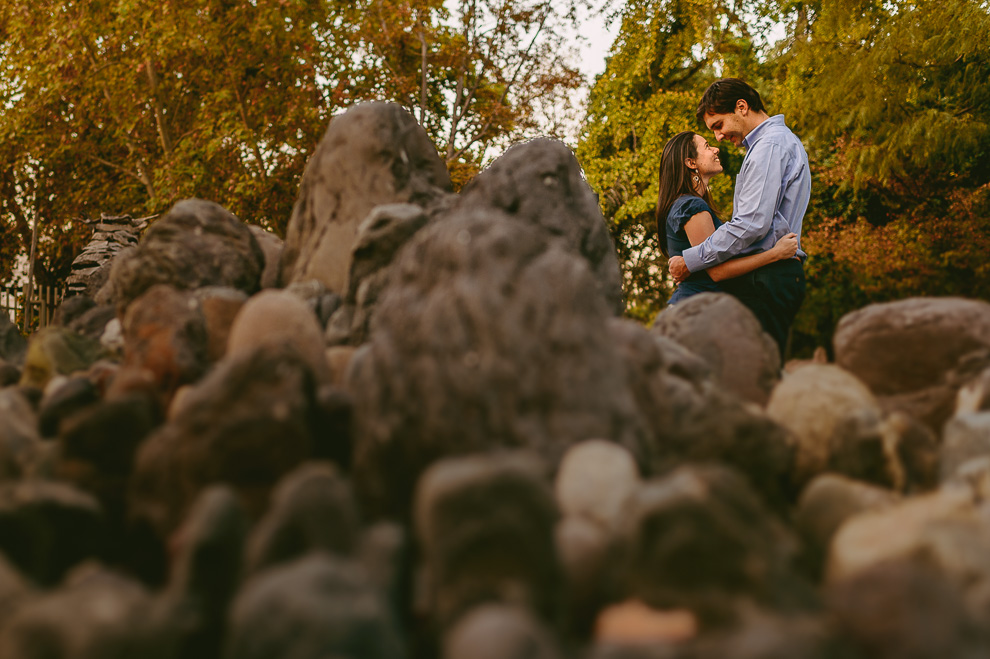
<point x="772" y="193"/>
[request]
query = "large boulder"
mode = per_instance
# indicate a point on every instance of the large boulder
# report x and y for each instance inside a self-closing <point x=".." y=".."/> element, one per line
<point x="490" y="335"/>
<point x="540" y="182"/>
<point x="914" y="354"/>
<point x="197" y="243"/>
<point x="595" y="480"/>
<point x="721" y="330"/>
<point x="373" y="154"/>
<point x="18" y="433"/>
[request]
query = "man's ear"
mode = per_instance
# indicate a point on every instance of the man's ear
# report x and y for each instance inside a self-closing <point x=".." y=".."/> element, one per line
<point x="742" y="107"/>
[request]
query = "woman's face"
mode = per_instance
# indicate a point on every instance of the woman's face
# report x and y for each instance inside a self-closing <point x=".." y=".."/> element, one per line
<point x="707" y="162"/>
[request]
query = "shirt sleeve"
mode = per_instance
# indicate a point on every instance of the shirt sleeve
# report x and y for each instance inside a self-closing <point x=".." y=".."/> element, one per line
<point x="755" y="200"/>
<point x="687" y="209"/>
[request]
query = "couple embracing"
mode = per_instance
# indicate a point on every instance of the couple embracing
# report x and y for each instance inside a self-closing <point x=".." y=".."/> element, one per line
<point x="755" y="256"/>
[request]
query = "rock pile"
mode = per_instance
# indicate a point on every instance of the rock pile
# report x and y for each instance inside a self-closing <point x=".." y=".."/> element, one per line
<point x="439" y="439"/>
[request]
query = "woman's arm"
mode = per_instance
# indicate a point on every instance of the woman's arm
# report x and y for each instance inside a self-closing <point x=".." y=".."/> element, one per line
<point x="700" y="226"/>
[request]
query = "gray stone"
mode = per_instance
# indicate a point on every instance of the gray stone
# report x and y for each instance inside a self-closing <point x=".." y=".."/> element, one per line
<point x="906" y="351"/>
<point x="485" y="526"/>
<point x="250" y="421"/>
<point x="74" y="394"/>
<point x="836" y="424"/>
<point x="489" y="336"/>
<point x="373" y="154"/>
<point x="197" y="243"/>
<point x="966" y="436"/>
<point x="379" y="238"/>
<point x="271" y="247"/>
<point x="18" y="433"/>
<point x="219" y="306"/>
<point x="48" y="527"/>
<point x="321" y="301"/>
<point x="595" y="480"/>
<point x="313" y="508"/>
<point x="540" y="182"/>
<point x="315" y="607"/>
<point x="97" y="615"/>
<point x="499" y="632"/>
<point x="721" y="330"/>
<point x="699" y="538"/>
<point x="13" y="345"/>
<point x="57" y="351"/>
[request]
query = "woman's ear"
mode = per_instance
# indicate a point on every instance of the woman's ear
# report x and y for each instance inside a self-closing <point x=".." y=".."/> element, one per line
<point x="691" y="163"/>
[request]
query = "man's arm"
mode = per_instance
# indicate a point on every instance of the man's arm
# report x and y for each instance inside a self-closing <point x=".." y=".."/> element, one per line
<point x="755" y="201"/>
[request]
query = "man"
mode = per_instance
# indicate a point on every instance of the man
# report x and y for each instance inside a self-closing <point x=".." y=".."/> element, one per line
<point x="771" y="196"/>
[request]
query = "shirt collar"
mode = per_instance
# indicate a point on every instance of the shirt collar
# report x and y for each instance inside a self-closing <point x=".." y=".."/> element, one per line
<point x="754" y="135"/>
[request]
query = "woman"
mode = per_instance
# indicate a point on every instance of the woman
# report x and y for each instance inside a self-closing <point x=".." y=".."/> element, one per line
<point x="686" y="214"/>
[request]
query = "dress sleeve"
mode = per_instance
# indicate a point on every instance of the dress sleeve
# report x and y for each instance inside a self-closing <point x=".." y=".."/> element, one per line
<point x="685" y="210"/>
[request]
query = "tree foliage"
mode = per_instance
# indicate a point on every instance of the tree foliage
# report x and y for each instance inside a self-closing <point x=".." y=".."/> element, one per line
<point x="129" y="105"/>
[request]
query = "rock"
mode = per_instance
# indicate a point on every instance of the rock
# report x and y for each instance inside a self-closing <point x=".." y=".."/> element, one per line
<point x="485" y="526"/>
<point x="197" y="243"/>
<point x="595" y="480"/>
<point x="219" y="306"/>
<point x="57" y="404"/>
<point x="18" y="433"/>
<point x="540" y="182"/>
<point x="373" y="154"/>
<point x="700" y="539"/>
<point x="278" y="317"/>
<point x="14" y="590"/>
<point x="488" y="337"/>
<point x="905" y="351"/>
<point x="693" y="420"/>
<point x="13" y="346"/>
<point x="9" y="374"/>
<point x="495" y="631"/>
<point x="339" y="360"/>
<point x="903" y="609"/>
<point x="205" y="576"/>
<point x="97" y="444"/>
<point x="966" y="436"/>
<point x="93" y="323"/>
<point x="893" y="532"/>
<point x="745" y="361"/>
<point x="71" y="308"/>
<point x="379" y="238"/>
<point x="271" y="248"/>
<point x="47" y="527"/>
<point x="57" y="351"/>
<point x="313" y="508"/>
<point x="827" y="502"/>
<point x="836" y="424"/>
<point x="585" y="550"/>
<point x="634" y="623"/>
<point x="762" y="636"/>
<point x="322" y="302"/>
<point x="250" y="421"/>
<point x="314" y="607"/>
<point x="165" y="334"/>
<point x="97" y="615"/>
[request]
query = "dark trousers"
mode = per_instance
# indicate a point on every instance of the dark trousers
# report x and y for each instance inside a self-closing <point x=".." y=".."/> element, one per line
<point x="774" y="293"/>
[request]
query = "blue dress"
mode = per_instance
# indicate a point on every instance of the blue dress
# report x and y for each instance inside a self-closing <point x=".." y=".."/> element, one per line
<point x="685" y="207"/>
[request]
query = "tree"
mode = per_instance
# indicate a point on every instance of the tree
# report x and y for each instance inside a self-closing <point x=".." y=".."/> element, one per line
<point x="892" y="102"/>
<point x="666" y="53"/>
<point x="475" y="73"/>
<point x="127" y="106"/>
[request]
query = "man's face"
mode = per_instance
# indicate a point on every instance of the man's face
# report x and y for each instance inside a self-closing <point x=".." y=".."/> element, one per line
<point x="727" y="126"/>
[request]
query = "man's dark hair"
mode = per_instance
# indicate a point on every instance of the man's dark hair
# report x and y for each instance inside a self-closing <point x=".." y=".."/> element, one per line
<point x="721" y="97"/>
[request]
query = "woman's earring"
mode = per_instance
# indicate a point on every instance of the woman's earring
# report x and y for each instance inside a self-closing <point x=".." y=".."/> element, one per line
<point x="695" y="178"/>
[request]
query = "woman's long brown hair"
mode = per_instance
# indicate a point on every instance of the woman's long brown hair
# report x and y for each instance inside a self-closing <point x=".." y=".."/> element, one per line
<point x="675" y="180"/>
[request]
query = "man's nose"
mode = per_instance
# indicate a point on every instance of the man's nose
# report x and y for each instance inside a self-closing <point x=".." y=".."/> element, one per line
<point x="719" y="135"/>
